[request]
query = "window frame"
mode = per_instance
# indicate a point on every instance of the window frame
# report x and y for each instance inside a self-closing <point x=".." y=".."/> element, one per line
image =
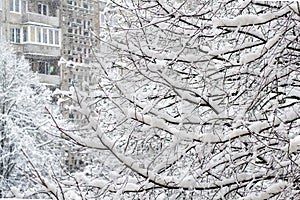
<point x="40" y="35"/>
<point x="25" y="34"/>
<point x="12" y="35"/>
<point x="46" y="67"/>
<point x="51" y="36"/>
<point x="13" y="4"/>
<point x="32" y="34"/>
<point x="43" y="67"/>
<point x="56" y="37"/>
<point x="45" y="36"/>
<point x="15" y="35"/>
<point x="41" y="7"/>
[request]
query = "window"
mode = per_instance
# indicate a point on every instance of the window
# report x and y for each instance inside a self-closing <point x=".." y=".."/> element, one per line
<point x="43" y="67"/>
<point x="24" y="6"/>
<point x="42" y="9"/>
<point x="39" y="33"/>
<point x="18" y="34"/>
<point x="85" y="5"/>
<point x="51" y="41"/>
<point x="11" y="5"/>
<point x="15" y="35"/>
<point x="14" y="5"/>
<point x="45" y="35"/>
<point x="47" y="68"/>
<point x="25" y="34"/>
<point x="32" y="34"/>
<point x="51" y="69"/>
<point x="56" y="37"/>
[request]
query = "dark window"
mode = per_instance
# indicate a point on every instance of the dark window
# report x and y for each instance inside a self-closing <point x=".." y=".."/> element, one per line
<point x="39" y="32"/>
<point x="85" y="5"/>
<point x="12" y="35"/>
<point x="56" y="37"/>
<point x="42" y="9"/>
<point x="15" y="35"/>
<point x="71" y="116"/>
<point x="18" y="35"/>
<point x="25" y="34"/>
<point x="43" y="67"/>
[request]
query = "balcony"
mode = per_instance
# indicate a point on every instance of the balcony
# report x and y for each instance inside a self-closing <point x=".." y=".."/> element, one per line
<point x="53" y="80"/>
<point x="42" y="19"/>
<point x="41" y="49"/>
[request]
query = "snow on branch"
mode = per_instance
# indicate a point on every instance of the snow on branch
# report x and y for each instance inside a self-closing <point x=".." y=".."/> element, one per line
<point x="249" y="19"/>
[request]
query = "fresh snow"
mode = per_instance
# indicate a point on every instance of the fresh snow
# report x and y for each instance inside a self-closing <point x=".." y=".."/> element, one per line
<point x="248" y="19"/>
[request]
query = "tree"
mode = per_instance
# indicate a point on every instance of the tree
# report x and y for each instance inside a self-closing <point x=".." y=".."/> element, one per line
<point x="196" y="99"/>
<point x="23" y="123"/>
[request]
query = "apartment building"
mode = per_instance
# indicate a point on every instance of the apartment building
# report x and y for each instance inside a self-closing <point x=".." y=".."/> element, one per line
<point x="79" y="20"/>
<point x="33" y="27"/>
<point x="48" y="32"/>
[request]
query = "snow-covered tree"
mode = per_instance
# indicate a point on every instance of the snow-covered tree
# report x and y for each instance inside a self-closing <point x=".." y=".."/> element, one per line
<point x="23" y="126"/>
<point x="197" y="99"/>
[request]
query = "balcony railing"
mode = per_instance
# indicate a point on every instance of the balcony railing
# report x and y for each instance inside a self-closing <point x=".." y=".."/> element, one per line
<point x="40" y="49"/>
<point x="43" y="19"/>
<point x="50" y="79"/>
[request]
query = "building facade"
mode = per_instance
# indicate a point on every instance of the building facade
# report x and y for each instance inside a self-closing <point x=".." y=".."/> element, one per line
<point x="79" y="21"/>
<point x="48" y="32"/>
<point x="33" y="28"/>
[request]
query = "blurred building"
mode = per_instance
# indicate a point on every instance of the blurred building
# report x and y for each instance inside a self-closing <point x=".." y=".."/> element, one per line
<point x="46" y="30"/>
<point x="58" y="38"/>
<point x="80" y="25"/>
<point x="79" y="22"/>
<point x="33" y="28"/>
